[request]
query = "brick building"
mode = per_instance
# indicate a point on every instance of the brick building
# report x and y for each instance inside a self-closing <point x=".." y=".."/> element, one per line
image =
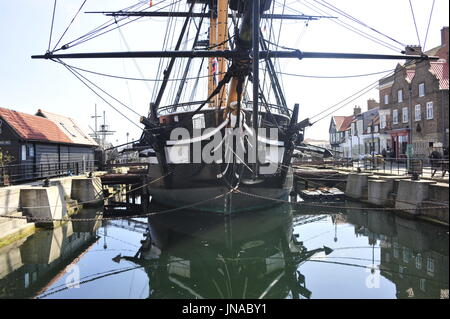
<point x="414" y="104"/>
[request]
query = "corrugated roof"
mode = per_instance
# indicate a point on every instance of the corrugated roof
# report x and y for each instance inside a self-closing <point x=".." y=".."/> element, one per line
<point x="69" y="127"/>
<point x="35" y="128"/>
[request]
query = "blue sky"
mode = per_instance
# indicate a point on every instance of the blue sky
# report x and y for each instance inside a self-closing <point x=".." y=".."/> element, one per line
<point x="26" y="84"/>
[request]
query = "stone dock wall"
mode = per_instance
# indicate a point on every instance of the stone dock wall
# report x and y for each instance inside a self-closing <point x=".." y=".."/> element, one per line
<point x="41" y="205"/>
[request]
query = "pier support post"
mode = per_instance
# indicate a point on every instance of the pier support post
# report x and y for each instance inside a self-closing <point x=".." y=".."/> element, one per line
<point x="379" y="192"/>
<point x="357" y="185"/>
<point x="411" y="195"/>
<point x="438" y="195"/>
<point x="86" y="190"/>
<point x="43" y="202"/>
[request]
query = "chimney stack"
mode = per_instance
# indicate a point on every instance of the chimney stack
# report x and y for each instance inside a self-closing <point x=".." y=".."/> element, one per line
<point x="444" y="36"/>
<point x="356" y="110"/>
<point x="413" y="50"/>
<point x="371" y="104"/>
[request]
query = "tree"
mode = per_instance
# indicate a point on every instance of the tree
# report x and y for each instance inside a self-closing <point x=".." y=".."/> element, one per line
<point x="5" y="159"/>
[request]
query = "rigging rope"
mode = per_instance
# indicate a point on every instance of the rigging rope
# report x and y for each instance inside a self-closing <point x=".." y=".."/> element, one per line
<point x="335" y="76"/>
<point x="428" y="27"/>
<point x="363" y="90"/>
<point x="51" y="28"/>
<point x="78" y="76"/>
<point x="353" y="29"/>
<point x="112" y="97"/>
<point x="73" y="19"/>
<point x="414" y="19"/>
<point x="360" y="22"/>
<point x="95" y="33"/>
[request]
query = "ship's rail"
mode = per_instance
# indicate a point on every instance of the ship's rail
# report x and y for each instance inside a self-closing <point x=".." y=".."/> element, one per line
<point x="188" y="107"/>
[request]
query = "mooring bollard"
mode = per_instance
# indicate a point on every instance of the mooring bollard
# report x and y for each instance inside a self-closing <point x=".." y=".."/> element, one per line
<point x="46" y="183"/>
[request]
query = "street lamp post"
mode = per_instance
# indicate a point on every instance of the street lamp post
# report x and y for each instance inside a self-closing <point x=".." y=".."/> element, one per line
<point x="372" y="146"/>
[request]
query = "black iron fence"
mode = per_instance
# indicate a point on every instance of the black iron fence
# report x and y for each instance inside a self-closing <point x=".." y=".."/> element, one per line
<point x="434" y="168"/>
<point x="18" y="173"/>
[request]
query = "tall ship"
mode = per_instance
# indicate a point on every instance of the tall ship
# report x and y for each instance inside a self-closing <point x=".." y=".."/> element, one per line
<point x="227" y="147"/>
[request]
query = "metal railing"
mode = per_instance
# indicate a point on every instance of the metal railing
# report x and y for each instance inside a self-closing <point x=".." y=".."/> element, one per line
<point x="433" y="168"/>
<point x="18" y="173"/>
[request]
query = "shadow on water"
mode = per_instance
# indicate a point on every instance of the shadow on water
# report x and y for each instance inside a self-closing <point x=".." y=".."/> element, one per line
<point x="282" y="252"/>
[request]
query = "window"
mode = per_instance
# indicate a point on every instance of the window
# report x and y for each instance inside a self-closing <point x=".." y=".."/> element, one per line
<point x="396" y="252"/>
<point x="419" y="261"/>
<point x="383" y="121"/>
<point x="405" y="115"/>
<point x="422" y="284"/>
<point x="406" y="254"/>
<point x="422" y="89"/>
<point x="386" y="99"/>
<point x="400" y="96"/>
<point x="429" y="110"/>
<point x="417" y="113"/>
<point x="24" y="153"/>
<point x="68" y="131"/>
<point x="375" y="128"/>
<point x="395" y="116"/>
<point x="430" y="265"/>
<point x="31" y="150"/>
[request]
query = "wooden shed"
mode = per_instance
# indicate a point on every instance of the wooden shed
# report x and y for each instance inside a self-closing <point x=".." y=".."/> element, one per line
<point x="43" y="145"/>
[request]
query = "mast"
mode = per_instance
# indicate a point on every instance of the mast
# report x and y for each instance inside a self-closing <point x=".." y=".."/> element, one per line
<point x="255" y="64"/>
<point x="218" y="32"/>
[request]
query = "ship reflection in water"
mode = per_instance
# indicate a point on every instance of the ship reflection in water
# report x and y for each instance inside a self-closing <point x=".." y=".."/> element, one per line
<point x="278" y="253"/>
<point x="253" y="255"/>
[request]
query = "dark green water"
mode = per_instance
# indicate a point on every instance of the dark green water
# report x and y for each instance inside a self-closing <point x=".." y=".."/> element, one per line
<point x="278" y="253"/>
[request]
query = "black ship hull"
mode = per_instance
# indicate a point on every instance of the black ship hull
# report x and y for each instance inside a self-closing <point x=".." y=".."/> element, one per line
<point x="216" y="195"/>
<point x="236" y="180"/>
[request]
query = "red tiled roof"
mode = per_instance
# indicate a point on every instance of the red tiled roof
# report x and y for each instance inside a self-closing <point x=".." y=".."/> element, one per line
<point x="410" y="74"/>
<point x="440" y="70"/>
<point x="36" y="128"/>
<point x="346" y="123"/>
<point x="342" y="122"/>
<point x="338" y="121"/>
